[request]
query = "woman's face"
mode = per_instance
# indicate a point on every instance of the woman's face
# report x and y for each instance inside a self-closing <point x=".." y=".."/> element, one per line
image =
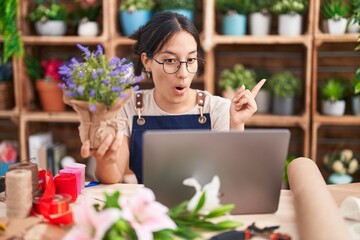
<point x="173" y="88"/>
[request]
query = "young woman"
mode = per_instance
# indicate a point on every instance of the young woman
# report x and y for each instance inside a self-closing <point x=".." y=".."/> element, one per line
<point x="168" y="48"/>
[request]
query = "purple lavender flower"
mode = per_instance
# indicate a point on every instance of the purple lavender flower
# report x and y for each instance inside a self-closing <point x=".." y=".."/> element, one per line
<point x="106" y="81"/>
<point x="114" y="73"/>
<point x="92" y="93"/>
<point x="94" y="75"/>
<point x="80" y="90"/>
<point x="116" y="89"/>
<point x="65" y="70"/>
<point x="85" y="50"/>
<point x="74" y="61"/>
<point x="81" y="74"/>
<point x="99" y="50"/>
<point x="136" y="87"/>
<point x="138" y="79"/>
<point x="92" y="108"/>
<point x="113" y="61"/>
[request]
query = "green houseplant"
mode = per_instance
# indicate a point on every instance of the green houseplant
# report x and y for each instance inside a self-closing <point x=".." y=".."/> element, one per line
<point x="49" y="18"/>
<point x="134" y="13"/>
<point x="234" y="16"/>
<point x="355" y="94"/>
<point x="184" y="7"/>
<point x="284" y="87"/>
<point x="232" y="79"/>
<point x="8" y="29"/>
<point x="335" y="13"/>
<point x="354" y="20"/>
<point x="333" y="93"/>
<point x="260" y="17"/>
<point x="290" y="14"/>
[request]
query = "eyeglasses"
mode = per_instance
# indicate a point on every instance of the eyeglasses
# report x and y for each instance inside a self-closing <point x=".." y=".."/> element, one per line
<point x="172" y="65"/>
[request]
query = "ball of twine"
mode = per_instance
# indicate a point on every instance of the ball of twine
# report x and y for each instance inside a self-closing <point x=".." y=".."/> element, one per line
<point x="33" y="168"/>
<point x="18" y="193"/>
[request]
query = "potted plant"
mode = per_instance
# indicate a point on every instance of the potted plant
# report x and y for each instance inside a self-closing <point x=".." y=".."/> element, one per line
<point x="263" y="98"/>
<point x="335" y="13"/>
<point x="8" y="155"/>
<point x="230" y="80"/>
<point x="342" y="164"/>
<point x="6" y="85"/>
<point x="184" y="7"/>
<point x="290" y="16"/>
<point x="85" y="17"/>
<point x="353" y="22"/>
<point x="49" y="18"/>
<point x="355" y="92"/>
<point x="92" y="88"/>
<point x="284" y="87"/>
<point x="260" y="17"/>
<point x="234" y="16"/>
<point x="134" y="13"/>
<point x="333" y="93"/>
<point x="46" y="77"/>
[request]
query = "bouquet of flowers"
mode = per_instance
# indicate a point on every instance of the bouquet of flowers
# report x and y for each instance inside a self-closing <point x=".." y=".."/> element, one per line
<point x="141" y="217"/>
<point x="341" y="162"/>
<point x="96" y="89"/>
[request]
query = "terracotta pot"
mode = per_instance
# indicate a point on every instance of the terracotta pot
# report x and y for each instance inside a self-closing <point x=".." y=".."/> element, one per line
<point x="51" y="96"/>
<point x="6" y="95"/>
<point x="97" y="125"/>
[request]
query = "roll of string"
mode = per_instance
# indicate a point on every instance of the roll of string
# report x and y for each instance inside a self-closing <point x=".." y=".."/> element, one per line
<point x="18" y="193"/>
<point x="33" y="168"/>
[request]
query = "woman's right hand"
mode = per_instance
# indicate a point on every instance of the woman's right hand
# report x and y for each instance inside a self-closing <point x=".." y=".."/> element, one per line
<point x="108" y="150"/>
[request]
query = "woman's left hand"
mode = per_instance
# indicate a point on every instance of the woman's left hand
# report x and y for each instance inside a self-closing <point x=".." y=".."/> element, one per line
<point x="243" y="105"/>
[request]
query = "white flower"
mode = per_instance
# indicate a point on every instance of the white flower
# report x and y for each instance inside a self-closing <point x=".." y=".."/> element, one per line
<point x="346" y="155"/>
<point x="353" y="166"/>
<point x="338" y="167"/>
<point x="211" y="191"/>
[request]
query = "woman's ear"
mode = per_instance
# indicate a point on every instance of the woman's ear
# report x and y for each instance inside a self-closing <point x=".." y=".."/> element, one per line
<point x="145" y="60"/>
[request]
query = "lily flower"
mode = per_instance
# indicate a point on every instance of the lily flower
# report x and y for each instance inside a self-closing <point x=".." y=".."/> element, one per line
<point x="211" y="191"/>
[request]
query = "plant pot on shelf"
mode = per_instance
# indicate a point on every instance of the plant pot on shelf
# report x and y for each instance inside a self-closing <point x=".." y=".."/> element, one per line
<point x="283" y="105"/>
<point x="51" y="28"/>
<point x="290" y="24"/>
<point x="96" y="125"/>
<point x="88" y="28"/>
<point x="260" y="24"/>
<point x="353" y="27"/>
<point x="336" y="178"/>
<point x="51" y="96"/>
<point x="234" y="24"/>
<point x="337" y="26"/>
<point x="6" y="95"/>
<point x="355" y="103"/>
<point x="263" y="100"/>
<point x="131" y="21"/>
<point x="333" y="108"/>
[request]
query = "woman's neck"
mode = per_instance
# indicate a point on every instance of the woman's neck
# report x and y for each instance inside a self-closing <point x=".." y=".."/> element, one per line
<point x="177" y="106"/>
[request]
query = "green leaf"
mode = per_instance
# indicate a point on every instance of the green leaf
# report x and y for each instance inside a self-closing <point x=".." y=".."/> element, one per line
<point x="220" y="211"/>
<point x="186" y="233"/>
<point x="200" y="203"/>
<point x="228" y="224"/>
<point x="166" y="234"/>
<point x="178" y="210"/>
<point x="111" y="200"/>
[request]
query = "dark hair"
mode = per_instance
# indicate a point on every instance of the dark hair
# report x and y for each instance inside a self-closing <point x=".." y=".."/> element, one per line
<point x="151" y="37"/>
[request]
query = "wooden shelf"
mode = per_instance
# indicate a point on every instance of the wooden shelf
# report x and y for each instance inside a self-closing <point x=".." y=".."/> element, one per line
<point x="272" y="39"/>
<point x="50" y="116"/>
<point x="63" y="40"/>
<point x="278" y="120"/>
<point x="327" y="38"/>
<point x="9" y="113"/>
<point x="336" y="120"/>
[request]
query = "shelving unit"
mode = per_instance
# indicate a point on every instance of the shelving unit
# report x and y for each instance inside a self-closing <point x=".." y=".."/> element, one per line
<point x="326" y="46"/>
<point x="298" y="54"/>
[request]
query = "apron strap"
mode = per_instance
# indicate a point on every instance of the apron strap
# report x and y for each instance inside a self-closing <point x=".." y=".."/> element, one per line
<point x="139" y="106"/>
<point x="200" y="101"/>
<point x="200" y="104"/>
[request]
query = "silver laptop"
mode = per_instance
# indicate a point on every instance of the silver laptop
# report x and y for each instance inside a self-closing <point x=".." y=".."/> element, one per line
<point x="249" y="164"/>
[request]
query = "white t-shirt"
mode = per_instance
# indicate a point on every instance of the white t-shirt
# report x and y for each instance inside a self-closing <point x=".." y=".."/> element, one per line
<point x="218" y="107"/>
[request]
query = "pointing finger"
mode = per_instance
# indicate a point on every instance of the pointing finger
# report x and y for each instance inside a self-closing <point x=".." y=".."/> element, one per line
<point x="257" y="88"/>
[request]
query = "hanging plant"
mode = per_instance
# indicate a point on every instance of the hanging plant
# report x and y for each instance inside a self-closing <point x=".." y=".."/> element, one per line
<point x="13" y="45"/>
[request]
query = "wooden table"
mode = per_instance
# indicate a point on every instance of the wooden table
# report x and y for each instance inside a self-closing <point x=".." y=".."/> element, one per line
<point x="285" y="217"/>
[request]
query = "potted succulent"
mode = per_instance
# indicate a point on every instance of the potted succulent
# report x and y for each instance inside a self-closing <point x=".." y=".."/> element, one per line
<point x="230" y="80"/>
<point x="290" y="16"/>
<point x="46" y="77"/>
<point x="342" y="164"/>
<point x="6" y="85"/>
<point x="85" y="17"/>
<point x="184" y="7"/>
<point x="260" y="17"/>
<point x="49" y="18"/>
<point x="234" y="16"/>
<point x="134" y="13"/>
<point x="284" y="87"/>
<point x="335" y="13"/>
<point x="93" y="89"/>
<point x="333" y="93"/>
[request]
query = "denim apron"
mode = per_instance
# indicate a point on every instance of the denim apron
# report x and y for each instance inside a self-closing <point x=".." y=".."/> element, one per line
<point x="144" y="123"/>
